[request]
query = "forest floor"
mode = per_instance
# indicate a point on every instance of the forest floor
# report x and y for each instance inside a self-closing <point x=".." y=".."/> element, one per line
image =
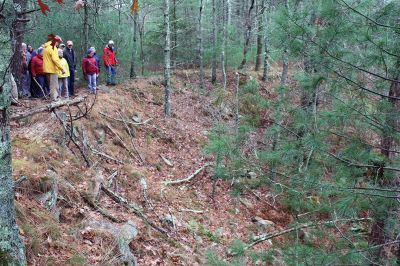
<point x="157" y="149"/>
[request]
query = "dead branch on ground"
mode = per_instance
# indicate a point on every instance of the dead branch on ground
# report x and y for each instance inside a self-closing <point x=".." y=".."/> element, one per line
<point x="129" y="122"/>
<point x="121" y="141"/>
<point x="96" y="207"/>
<point x="134" y="208"/>
<point x="131" y="135"/>
<point x="187" y="179"/>
<point x="46" y="108"/>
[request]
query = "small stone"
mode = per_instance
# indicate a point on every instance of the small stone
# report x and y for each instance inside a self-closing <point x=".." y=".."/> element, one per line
<point x="198" y="239"/>
<point x="262" y="223"/>
<point x="252" y="175"/>
<point x="170" y="220"/>
<point x="137" y="118"/>
<point x="247" y="203"/>
<point x="100" y="135"/>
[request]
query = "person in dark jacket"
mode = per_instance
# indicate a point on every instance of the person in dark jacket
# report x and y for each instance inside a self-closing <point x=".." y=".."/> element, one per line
<point x="39" y="88"/>
<point x="90" y="70"/>
<point x="70" y="56"/>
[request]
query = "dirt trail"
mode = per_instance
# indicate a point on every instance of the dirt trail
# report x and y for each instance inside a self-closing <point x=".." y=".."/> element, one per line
<point x="200" y="222"/>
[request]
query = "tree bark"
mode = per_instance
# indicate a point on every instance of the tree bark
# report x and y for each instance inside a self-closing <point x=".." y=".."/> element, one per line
<point x="174" y="35"/>
<point x="134" y="48"/>
<point x="214" y="43"/>
<point x="260" y="32"/>
<point x="223" y="65"/>
<point x="167" y="61"/>
<point x="285" y="55"/>
<point x="141" y="33"/>
<point x="85" y="27"/>
<point x="17" y="38"/>
<point x="12" y="250"/>
<point x="200" y="40"/>
<point x="247" y="35"/>
<point x="266" y="50"/>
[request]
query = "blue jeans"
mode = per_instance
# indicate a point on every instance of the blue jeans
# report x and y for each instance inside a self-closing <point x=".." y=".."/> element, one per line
<point x="111" y="73"/>
<point x="91" y="78"/>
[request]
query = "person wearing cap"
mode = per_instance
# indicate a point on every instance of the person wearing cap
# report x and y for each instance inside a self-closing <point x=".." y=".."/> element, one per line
<point x="97" y="60"/>
<point x="63" y="77"/>
<point x="26" y="78"/>
<point x="110" y="62"/>
<point x="69" y="55"/>
<point x="51" y="64"/>
<point x="90" y="70"/>
<point x="62" y="46"/>
<point x="39" y="84"/>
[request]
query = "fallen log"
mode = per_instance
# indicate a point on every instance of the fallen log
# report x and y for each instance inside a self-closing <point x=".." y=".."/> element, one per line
<point x="46" y="108"/>
<point x="187" y="179"/>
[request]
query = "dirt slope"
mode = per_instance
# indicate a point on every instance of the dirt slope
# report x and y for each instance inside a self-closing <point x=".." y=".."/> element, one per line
<point x="74" y="233"/>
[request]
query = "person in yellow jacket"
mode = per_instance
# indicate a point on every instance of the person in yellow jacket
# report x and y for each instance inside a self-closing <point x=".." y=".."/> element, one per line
<point x="51" y="64"/>
<point x="63" y="78"/>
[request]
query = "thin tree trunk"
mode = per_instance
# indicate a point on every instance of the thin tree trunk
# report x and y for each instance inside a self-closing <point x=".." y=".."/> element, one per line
<point x="214" y="43"/>
<point x="141" y="33"/>
<point x="174" y="36"/>
<point x="266" y="50"/>
<point x="134" y="48"/>
<point x="223" y="44"/>
<point x="247" y="35"/>
<point x="17" y="38"/>
<point x="167" y="61"/>
<point x="285" y="67"/>
<point x="11" y="247"/>
<point x="200" y="39"/>
<point x="285" y="55"/>
<point x="228" y="10"/>
<point x="260" y="32"/>
<point x="85" y="27"/>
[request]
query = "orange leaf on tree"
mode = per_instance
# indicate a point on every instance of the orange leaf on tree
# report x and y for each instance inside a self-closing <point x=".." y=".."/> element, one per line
<point x="135" y="6"/>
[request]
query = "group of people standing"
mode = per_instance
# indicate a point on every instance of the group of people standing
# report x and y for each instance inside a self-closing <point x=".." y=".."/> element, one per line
<point x="50" y="69"/>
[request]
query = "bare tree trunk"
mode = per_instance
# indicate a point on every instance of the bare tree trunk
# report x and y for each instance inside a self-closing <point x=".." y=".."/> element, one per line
<point x="85" y="27"/>
<point x="200" y="39"/>
<point x="228" y="11"/>
<point x="167" y="61"/>
<point x="174" y="36"/>
<point x="260" y="32"/>
<point x="214" y="43"/>
<point x="285" y="55"/>
<point x="12" y="250"/>
<point x="223" y="43"/>
<point x="141" y="33"/>
<point x="247" y="35"/>
<point x="17" y="38"/>
<point x="266" y="50"/>
<point x="134" y="48"/>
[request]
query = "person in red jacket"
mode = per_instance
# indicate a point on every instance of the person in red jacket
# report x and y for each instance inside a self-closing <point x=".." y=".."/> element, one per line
<point x="110" y="62"/>
<point x="90" y="70"/>
<point x="39" y="88"/>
